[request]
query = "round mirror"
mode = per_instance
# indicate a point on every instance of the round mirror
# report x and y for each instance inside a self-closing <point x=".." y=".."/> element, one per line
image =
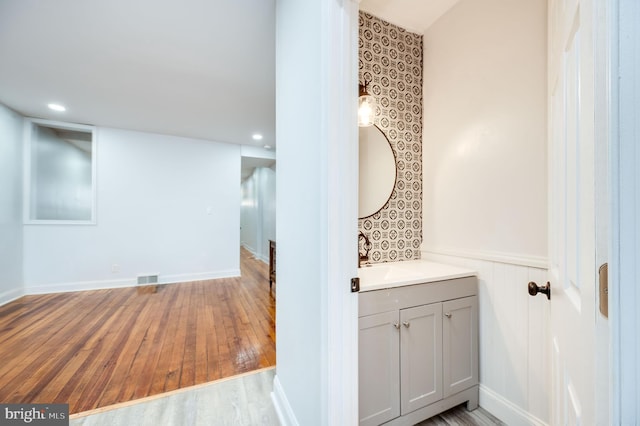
<point x="377" y="171"/>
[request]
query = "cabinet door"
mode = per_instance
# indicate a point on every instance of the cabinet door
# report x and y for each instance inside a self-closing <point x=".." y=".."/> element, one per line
<point x="460" y="344"/>
<point x="379" y="368"/>
<point x="421" y="356"/>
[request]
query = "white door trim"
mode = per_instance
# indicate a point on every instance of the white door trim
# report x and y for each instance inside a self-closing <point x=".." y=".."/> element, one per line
<point x="340" y="50"/>
<point x="319" y="388"/>
<point x="602" y="113"/>
<point x="624" y="297"/>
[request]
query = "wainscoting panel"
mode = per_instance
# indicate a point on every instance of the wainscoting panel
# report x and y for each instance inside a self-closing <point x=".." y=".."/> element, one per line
<point x="514" y="339"/>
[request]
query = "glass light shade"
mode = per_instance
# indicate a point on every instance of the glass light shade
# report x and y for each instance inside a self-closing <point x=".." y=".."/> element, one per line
<point x="366" y="110"/>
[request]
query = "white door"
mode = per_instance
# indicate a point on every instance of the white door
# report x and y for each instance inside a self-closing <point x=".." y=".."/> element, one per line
<point x="572" y="268"/>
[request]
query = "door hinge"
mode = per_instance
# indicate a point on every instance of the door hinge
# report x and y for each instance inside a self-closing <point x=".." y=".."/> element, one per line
<point x="603" y="275"/>
<point x="355" y="285"/>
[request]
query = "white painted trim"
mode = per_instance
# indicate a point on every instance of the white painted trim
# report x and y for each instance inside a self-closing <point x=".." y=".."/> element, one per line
<point x="127" y="282"/>
<point x="505" y="410"/>
<point x="79" y="286"/>
<point x="624" y="272"/>
<point x="200" y="276"/>
<point x="281" y="405"/>
<point x="26" y="174"/>
<point x="602" y="133"/>
<point x="263" y="257"/>
<point x="11" y="295"/>
<point x="249" y="249"/>
<point x="339" y="35"/>
<point x="508" y="258"/>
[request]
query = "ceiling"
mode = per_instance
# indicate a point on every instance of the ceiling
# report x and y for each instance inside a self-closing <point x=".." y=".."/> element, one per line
<point x="413" y="15"/>
<point x="194" y="68"/>
<point x="249" y="164"/>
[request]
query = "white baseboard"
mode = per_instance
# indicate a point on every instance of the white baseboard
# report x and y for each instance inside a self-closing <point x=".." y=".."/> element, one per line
<point x="181" y="278"/>
<point x="127" y="282"/>
<point x="11" y="295"/>
<point x="281" y="405"/>
<point x="263" y="257"/>
<point x="249" y="248"/>
<point x="505" y="410"/>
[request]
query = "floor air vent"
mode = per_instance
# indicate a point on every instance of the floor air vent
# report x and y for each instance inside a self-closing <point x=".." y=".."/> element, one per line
<point x="147" y="279"/>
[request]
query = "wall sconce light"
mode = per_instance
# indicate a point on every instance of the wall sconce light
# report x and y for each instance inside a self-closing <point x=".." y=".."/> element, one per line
<point x="366" y="107"/>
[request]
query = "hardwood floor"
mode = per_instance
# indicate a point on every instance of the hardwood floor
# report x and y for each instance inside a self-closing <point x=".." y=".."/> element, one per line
<point x="96" y="348"/>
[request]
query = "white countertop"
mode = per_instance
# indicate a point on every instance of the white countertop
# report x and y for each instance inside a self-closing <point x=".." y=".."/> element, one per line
<point x="396" y="274"/>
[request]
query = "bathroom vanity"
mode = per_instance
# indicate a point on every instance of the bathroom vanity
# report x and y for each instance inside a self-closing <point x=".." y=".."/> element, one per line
<point x="418" y="341"/>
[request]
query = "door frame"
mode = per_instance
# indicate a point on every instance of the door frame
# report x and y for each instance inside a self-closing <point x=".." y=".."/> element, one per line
<point x="624" y="193"/>
<point x="625" y="197"/>
<point x="340" y="52"/>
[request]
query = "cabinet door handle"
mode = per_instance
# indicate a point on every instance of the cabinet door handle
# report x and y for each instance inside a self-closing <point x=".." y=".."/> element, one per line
<point x="406" y="324"/>
<point x="397" y="326"/>
<point x="448" y="314"/>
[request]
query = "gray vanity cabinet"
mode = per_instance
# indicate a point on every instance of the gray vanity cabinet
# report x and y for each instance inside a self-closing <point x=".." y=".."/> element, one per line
<point x="421" y="356"/>
<point x="379" y="375"/>
<point x="459" y="344"/>
<point x="418" y="351"/>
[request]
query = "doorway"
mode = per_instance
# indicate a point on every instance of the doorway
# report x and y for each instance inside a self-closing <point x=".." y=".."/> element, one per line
<point x="258" y="206"/>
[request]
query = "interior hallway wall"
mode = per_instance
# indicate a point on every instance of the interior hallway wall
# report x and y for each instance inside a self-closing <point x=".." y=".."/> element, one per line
<point x="165" y="206"/>
<point x="485" y="186"/>
<point x="11" y="277"/>
<point x="249" y="215"/>
<point x="258" y="212"/>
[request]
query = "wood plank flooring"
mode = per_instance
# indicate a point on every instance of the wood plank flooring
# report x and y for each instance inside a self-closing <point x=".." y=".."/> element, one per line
<point x="96" y="348"/>
<point x="459" y="416"/>
<point x="242" y="400"/>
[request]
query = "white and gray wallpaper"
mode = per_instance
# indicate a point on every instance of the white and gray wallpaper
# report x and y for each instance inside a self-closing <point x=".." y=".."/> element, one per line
<point x="390" y="59"/>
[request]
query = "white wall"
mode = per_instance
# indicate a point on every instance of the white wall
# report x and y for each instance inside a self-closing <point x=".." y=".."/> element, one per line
<point x="249" y="215"/>
<point x="484" y="137"/>
<point x="11" y="279"/>
<point x="268" y="203"/>
<point x="298" y="382"/>
<point x="316" y="330"/>
<point x="166" y="205"/>
<point x="258" y="212"/>
<point x="485" y="188"/>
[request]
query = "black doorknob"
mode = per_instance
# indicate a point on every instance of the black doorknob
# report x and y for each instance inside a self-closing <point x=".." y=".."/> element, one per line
<point x="535" y="289"/>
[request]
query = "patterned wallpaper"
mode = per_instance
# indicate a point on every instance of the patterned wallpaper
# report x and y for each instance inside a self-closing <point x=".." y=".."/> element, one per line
<point x="390" y="58"/>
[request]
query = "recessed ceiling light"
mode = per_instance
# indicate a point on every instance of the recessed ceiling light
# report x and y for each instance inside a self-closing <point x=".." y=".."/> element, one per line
<point x="257" y="137"/>
<point x="57" y="107"/>
<point x="267" y="147"/>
